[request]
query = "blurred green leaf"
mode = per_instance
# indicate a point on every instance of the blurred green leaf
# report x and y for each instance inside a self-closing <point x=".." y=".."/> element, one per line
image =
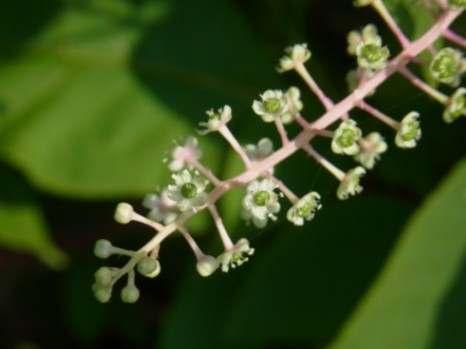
<point x="418" y="300"/>
<point x="22" y="226"/>
<point x="91" y="104"/>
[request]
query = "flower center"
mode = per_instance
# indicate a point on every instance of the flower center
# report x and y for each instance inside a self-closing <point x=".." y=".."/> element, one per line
<point x="188" y="190"/>
<point x="347" y="138"/>
<point x="410" y="131"/>
<point x="372" y="53"/>
<point x="305" y="210"/>
<point x="272" y="105"/>
<point x="445" y="66"/>
<point x="261" y="198"/>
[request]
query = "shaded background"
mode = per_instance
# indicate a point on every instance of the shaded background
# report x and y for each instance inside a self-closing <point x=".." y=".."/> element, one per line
<point x="92" y="94"/>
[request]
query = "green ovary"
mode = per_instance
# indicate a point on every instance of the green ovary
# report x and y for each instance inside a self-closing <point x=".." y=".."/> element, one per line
<point x="445" y="66"/>
<point x="188" y="190"/>
<point x="347" y="138"/>
<point x="410" y="131"/>
<point x="261" y="198"/>
<point x="372" y="53"/>
<point x="272" y="105"/>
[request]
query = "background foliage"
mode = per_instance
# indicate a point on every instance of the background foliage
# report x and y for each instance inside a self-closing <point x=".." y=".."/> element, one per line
<point x="92" y="93"/>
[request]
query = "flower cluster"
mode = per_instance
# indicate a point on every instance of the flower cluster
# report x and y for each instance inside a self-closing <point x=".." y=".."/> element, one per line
<point x="196" y="188"/>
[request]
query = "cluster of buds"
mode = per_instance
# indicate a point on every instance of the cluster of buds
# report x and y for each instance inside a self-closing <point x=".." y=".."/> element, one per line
<point x="195" y="188"/>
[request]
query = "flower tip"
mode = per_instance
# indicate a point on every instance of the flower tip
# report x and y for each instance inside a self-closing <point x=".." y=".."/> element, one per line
<point x="124" y="213"/>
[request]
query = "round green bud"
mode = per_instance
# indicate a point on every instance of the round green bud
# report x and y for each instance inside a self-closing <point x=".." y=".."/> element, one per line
<point x="147" y="265"/>
<point x="104" y="275"/>
<point x="103" y="248"/>
<point x="129" y="294"/>
<point x="102" y="293"/>
<point x="124" y="213"/>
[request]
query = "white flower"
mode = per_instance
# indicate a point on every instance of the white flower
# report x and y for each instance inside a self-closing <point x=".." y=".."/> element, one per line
<point x="235" y="256"/>
<point x="447" y="66"/>
<point x="162" y="208"/>
<point x="304" y="208"/>
<point x="260" y="202"/>
<point x="216" y="120"/>
<point x="371" y="148"/>
<point x="349" y="185"/>
<point x="295" y="105"/>
<point x="183" y="154"/>
<point x="409" y="131"/>
<point x="355" y="37"/>
<point x="206" y="265"/>
<point x="372" y="55"/>
<point x="345" y="138"/>
<point x="188" y="192"/>
<point x="294" y="56"/>
<point x="273" y="104"/>
<point x="456" y="106"/>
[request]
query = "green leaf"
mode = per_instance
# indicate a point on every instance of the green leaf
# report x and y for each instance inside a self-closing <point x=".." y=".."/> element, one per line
<point x="91" y="103"/>
<point x="418" y="300"/>
<point x="22" y="226"/>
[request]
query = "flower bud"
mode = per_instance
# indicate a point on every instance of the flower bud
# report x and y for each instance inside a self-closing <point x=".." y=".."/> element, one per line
<point x="147" y="266"/>
<point x="103" y="248"/>
<point x="124" y="213"/>
<point x="129" y="294"/>
<point x="206" y="265"/>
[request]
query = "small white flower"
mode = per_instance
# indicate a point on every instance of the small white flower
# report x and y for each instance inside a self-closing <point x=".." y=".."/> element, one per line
<point x="183" y="154"/>
<point x="456" y="106"/>
<point x="409" y="131"/>
<point x="350" y="183"/>
<point x="261" y="202"/>
<point x="216" y="120"/>
<point x="188" y="192"/>
<point x="162" y="208"/>
<point x="447" y="66"/>
<point x="304" y="209"/>
<point x="235" y="256"/>
<point x="371" y="54"/>
<point x="295" y="105"/>
<point x="206" y="265"/>
<point x="273" y="104"/>
<point x="345" y="138"/>
<point x="294" y="56"/>
<point x="371" y="148"/>
<point x="355" y="37"/>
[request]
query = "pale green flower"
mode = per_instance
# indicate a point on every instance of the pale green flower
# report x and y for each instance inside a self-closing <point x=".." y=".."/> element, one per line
<point x="409" y="131"/>
<point x="456" y="106"/>
<point x="304" y="209"/>
<point x="370" y="149"/>
<point x="236" y="255"/>
<point x="261" y="202"/>
<point x="188" y="192"/>
<point x="345" y="138"/>
<point x="273" y="104"/>
<point x="216" y="120"/>
<point x="294" y="56"/>
<point x="349" y="185"/>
